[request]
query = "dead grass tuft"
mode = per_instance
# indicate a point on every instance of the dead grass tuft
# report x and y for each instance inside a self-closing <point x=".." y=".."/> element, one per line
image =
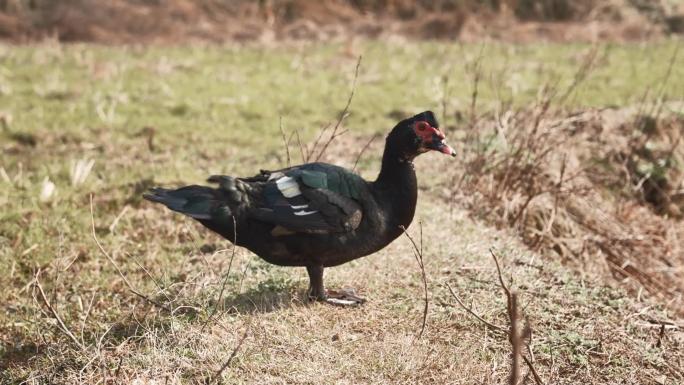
<point x="602" y="189"/>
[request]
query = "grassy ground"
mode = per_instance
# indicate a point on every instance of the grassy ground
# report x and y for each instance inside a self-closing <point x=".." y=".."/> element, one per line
<point x="175" y="115"/>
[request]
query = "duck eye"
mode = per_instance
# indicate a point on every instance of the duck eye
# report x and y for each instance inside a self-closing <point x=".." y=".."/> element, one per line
<point x="422" y="126"/>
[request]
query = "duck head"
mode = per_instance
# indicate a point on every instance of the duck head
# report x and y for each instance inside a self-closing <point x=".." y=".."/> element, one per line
<point x="417" y="135"/>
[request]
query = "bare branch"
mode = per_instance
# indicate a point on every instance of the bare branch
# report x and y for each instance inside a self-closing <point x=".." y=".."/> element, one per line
<point x="529" y="364"/>
<point x="285" y="141"/>
<point x="418" y="254"/>
<point x="154" y="280"/>
<point x="343" y="114"/>
<point x="498" y="270"/>
<point x="217" y="376"/>
<point x="514" y="338"/>
<point x="315" y="143"/>
<point x="301" y="147"/>
<point x="358" y="157"/>
<point x="490" y="325"/>
<point x="514" y="334"/>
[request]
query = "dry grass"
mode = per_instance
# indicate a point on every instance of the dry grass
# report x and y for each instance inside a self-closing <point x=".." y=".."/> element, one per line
<point x="591" y="187"/>
<point x="583" y="333"/>
<point x="164" y="301"/>
<point x="264" y="332"/>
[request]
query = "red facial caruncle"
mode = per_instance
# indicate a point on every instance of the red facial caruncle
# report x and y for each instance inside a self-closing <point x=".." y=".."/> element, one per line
<point x="432" y="138"/>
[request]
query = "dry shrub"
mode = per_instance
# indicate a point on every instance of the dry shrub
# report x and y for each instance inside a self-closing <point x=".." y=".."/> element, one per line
<point x="602" y="189"/>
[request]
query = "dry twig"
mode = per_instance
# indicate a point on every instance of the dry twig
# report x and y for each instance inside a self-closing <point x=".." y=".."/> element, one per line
<point x="358" y="157"/>
<point x="582" y="73"/>
<point x="498" y="270"/>
<point x="225" y="277"/>
<point x="285" y="141"/>
<point x="60" y="324"/>
<point x="301" y="146"/>
<point x="232" y="355"/>
<point x="111" y="260"/>
<point x="529" y="364"/>
<point x="515" y="339"/>
<point x="477" y="75"/>
<point x="418" y="254"/>
<point x="515" y="336"/>
<point x="490" y="325"/>
<point x="343" y="115"/>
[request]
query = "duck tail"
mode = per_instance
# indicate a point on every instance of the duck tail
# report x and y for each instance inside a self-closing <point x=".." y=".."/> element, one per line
<point x="197" y="202"/>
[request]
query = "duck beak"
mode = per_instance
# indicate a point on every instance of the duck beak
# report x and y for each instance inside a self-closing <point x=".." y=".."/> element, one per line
<point x="439" y="144"/>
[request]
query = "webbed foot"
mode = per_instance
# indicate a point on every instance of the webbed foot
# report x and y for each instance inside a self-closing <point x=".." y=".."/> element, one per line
<point x="344" y="297"/>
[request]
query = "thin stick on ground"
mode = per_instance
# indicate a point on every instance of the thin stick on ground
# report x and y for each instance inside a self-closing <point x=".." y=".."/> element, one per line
<point x="469" y="310"/>
<point x="217" y="376"/>
<point x="514" y="334"/>
<point x="529" y="364"/>
<point x="118" y="270"/>
<point x="225" y="276"/>
<point x="418" y="254"/>
<point x="343" y="114"/>
<point x="149" y="275"/>
<point x="515" y="339"/>
<point x="60" y="324"/>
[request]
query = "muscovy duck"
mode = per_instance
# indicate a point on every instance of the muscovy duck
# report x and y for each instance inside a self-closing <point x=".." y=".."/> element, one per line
<point x="316" y="215"/>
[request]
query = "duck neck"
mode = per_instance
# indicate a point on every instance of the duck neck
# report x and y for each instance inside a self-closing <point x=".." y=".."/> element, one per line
<point x="398" y="185"/>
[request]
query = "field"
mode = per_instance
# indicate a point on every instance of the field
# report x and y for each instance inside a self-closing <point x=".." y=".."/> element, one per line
<point x="86" y="129"/>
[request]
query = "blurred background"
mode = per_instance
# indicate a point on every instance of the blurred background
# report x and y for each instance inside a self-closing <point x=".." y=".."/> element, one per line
<point x="173" y="21"/>
<point x="567" y="118"/>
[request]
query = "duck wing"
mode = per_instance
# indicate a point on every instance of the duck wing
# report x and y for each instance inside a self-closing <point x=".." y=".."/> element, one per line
<point x="312" y="198"/>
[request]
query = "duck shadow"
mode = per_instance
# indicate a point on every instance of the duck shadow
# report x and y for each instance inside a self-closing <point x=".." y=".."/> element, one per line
<point x="267" y="297"/>
<point x="18" y="355"/>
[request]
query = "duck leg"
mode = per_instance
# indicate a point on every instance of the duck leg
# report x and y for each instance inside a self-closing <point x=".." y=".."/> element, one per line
<point x="316" y="289"/>
<point x="317" y="292"/>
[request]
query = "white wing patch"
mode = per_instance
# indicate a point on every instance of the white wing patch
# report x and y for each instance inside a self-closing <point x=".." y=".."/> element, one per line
<point x="302" y="213"/>
<point x="276" y="175"/>
<point x="288" y="187"/>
